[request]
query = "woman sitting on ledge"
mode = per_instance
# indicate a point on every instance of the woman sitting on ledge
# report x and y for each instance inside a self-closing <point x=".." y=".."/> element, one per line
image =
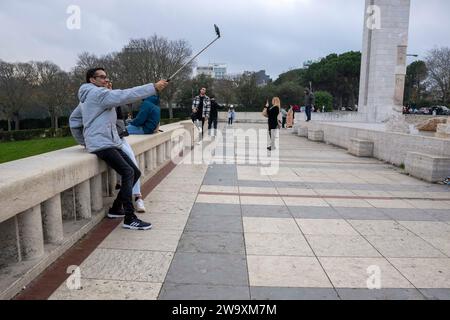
<point x="148" y="118"/>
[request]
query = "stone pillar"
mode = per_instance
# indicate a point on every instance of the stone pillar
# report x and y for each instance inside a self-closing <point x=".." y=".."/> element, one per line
<point x="148" y="160"/>
<point x="96" y="193"/>
<point x="52" y="220"/>
<point x="141" y="163"/>
<point x="9" y="245"/>
<point x="383" y="64"/>
<point x="68" y="204"/>
<point x="160" y="152"/>
<point x="83" y="200"/>
<point x="168" y="149"/>
<point x="31" y="236"/>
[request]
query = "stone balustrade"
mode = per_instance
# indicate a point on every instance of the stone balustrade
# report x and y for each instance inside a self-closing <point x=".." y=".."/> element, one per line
<point x="49" y="201"/>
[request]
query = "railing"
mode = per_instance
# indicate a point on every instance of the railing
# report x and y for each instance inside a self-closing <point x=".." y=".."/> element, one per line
<point x="49" y="201"/>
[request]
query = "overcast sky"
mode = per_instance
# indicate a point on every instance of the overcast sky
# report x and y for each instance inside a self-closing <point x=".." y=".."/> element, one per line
<point x="275" y="35"/>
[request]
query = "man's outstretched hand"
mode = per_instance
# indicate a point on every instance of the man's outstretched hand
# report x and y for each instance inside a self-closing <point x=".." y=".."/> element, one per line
<point x="161" y="85"/>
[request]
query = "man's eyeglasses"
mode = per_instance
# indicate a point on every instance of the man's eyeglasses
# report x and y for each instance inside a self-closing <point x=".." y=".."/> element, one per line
<point x="102" y="77"/>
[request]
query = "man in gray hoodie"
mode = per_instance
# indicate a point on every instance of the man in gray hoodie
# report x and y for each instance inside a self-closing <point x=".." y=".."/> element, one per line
<point x="93" y="124"/>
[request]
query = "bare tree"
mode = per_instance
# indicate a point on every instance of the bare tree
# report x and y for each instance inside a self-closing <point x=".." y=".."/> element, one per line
<point x="53" y="86"/>
<point x="438" y="65"/>
<point x="16" y="82"/>
<point x="149" y="60"/>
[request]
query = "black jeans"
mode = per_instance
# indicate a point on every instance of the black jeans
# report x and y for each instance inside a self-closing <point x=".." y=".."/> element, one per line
<point x="122" y="164"/>
<point x="230" y="120"/>
<point x="212" y="123"/>
<point x="308" y="113"/>
<point x="283" y="124"/>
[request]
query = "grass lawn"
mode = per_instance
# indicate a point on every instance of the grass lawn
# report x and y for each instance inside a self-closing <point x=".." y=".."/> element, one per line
<point x="10" y="151"/>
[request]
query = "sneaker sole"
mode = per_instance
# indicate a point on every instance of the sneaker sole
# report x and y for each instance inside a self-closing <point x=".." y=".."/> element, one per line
<point x="140" y="210"/>
<point x="136" y="228"/>
<point x="115" y="216"/>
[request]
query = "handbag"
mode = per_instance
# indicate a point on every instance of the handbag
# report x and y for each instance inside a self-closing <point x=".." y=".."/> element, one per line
<point x="264" y="113"/>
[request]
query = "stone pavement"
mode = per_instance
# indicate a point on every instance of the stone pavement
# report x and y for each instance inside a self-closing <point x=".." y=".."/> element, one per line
<point x="326" y="226"/>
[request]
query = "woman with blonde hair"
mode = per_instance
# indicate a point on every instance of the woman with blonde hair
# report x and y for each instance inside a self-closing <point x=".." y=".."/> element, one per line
<point x="272" y="120"/>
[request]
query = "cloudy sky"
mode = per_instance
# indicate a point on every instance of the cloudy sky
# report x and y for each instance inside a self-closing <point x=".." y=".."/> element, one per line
<point x="275" y="35"/>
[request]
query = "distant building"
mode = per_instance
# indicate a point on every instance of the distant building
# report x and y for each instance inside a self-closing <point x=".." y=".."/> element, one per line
<point x="214" y="70"/>
<point x="262" y="79"/>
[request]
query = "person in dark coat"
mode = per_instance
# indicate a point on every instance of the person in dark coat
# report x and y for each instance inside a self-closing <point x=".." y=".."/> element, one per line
<point x="213" y="115"/>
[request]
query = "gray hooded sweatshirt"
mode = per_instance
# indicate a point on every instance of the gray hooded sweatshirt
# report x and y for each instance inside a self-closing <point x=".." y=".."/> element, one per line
<point x="93" y="122"/>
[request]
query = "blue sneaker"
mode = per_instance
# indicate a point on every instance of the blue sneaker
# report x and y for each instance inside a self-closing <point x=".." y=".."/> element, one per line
<point x="136" y="224"/>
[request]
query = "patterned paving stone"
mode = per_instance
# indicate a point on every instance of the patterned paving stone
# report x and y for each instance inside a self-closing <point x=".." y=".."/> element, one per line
<point x="214" y="223"/>
<point x="276" y="271"/>
<point x="216" y="209"/>
<point x="265" y="211"/>
<point x="203" y="292"/>
<point x="436" y="294"/>
<point x="425" y="273"/>
<point x="212" y="242"/>
<point x="273" y="293"/>
<point x="379" y="294"/>
<point x="208" y="269"/>
<point x="359" y="273"/>
<point x="274" y="244"/>
<point x="303" y="212"/>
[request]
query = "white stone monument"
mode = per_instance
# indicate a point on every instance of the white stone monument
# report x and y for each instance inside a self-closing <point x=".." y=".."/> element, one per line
<point x="383" y="65"/>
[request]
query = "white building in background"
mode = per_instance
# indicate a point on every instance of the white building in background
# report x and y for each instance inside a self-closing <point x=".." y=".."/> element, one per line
<point x="214" y="70"/>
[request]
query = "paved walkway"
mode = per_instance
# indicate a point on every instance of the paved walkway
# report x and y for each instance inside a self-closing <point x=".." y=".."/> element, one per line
<point x="326" y="226"/>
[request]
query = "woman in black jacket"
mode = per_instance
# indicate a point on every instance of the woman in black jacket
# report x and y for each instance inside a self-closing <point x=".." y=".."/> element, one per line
<point x="272" y="120"/>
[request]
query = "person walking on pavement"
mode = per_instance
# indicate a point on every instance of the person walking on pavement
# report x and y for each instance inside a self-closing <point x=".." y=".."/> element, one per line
<point x="272" y="120"/>
<point x="213" y="115"/>
<point x="200" y="107"/>
<point x="309" y="104"/>
<point x="283" y="117"/>
<point x="98" y="133"/>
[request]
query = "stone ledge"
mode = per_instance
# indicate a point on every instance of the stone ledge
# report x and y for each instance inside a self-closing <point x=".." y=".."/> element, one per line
<point x="361" y="148"/>
<point x="302" y="131"/>
<point x="427" y="167"/>
<point x="315" y="135"/>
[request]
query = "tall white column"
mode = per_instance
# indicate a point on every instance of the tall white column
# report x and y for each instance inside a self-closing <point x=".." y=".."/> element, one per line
<point x="383" y="64"/>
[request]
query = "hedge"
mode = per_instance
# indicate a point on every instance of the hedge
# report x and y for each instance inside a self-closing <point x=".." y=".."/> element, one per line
<point x="34" y="134"/>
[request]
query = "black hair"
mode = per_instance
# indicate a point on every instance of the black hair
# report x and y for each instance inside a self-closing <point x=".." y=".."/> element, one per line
<point x="91" y="73"/>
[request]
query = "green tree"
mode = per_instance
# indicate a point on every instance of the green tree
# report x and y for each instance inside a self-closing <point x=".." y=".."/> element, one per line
<point x="324" y="99"/>
<point x="297" y="76"/>
<point x="290" y="93"/>
<point x="337" y="74"/>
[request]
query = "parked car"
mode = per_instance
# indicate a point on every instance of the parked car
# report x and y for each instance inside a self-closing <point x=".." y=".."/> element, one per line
<point x="424" y="111"/>
<point x="440" y="110"/>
